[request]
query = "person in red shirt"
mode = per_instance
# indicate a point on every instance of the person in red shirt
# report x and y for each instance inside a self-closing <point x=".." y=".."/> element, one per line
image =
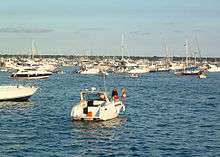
<point x="115" y="94"/>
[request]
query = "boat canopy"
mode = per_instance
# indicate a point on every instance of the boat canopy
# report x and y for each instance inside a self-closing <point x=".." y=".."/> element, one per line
<point x="192" y="68"/>
<point x="93" y="95"/>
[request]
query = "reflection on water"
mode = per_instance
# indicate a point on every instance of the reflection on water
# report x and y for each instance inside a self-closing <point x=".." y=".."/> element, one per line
<point x="17" y="105"/>
<point x="91" y="138"/>
<point x="98" y="130"/>
<point x="165" y="116"/>
<point x="113" y="123"/>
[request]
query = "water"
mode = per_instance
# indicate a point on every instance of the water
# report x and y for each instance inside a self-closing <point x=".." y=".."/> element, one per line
<point x="166" y="116"/>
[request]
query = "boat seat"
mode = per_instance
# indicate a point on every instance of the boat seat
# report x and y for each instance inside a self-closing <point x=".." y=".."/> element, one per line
<point x="85" y="110"/>
<point x="90" y="103"/>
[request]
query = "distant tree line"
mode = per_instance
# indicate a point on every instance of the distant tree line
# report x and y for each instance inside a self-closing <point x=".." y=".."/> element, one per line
<point x="154" y="58"/>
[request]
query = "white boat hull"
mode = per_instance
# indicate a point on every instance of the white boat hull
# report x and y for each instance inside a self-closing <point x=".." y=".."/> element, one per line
<point x="30" y="77"/>
<point x="214" y="70"/>
<point x="99" y="113"/>
<point x="16" y="93"/>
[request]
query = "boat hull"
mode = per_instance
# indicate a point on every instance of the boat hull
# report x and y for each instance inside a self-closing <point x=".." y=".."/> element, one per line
<point x="100" y="113"/>
<point x="30" y="77"/>
<point x="16" y="93"/>
<point x="21" y="99"/>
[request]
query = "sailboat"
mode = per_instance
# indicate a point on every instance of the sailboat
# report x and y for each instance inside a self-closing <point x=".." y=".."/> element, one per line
<point x="189" y="69"/>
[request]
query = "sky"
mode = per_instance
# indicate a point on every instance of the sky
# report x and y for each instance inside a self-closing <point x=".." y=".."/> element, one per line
<point x="95" y="27"/>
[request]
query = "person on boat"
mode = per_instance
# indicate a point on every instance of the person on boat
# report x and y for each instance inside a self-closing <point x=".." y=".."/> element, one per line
<point x="115" y="94"/>
<point x="123" y="96"/>
<point x="102" y="96"/>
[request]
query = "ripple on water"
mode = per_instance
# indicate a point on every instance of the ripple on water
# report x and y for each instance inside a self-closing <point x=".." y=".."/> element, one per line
<point x="166" y="116"/>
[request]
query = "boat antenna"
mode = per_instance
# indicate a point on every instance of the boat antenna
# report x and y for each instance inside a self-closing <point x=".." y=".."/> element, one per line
<point x="198" y="49"/>
<point x="122" y="46"/>
<point x="104" y="80"/>
<point x="33" y="49"/>
<point x="186" y="44"/>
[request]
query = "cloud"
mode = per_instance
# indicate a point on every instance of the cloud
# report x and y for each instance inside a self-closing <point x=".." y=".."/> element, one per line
<point x="198" y="30"/>
<point x="139" y="33"/>
<point x="135" y="32"/>
<point x="169" y="23"/>
<point x="91" y="29"/>
<point x="24" y="30"/>
<point x="146" y="33"/>
<point x="177" y="31"/>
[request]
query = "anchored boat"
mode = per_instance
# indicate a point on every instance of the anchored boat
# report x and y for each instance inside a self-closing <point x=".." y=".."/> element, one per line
<point x="95" y="105"/>
<point x="16" y="93"/>
<point x="202" y="76"/>
<point x="31" y="74"/>
<point x="134" y="75"/>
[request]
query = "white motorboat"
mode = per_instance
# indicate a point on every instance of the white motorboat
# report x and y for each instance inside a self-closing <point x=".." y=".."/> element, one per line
<point x="202" y="76"/>
<point x="16" y="93"/>
<point x="134" y="75"/>
<point x="31" y="74"/>
<point x="95" y="105"/>
<point x="213" y="68"/>
<point x="92" y="71"/>
<point x="189" y="71"/>
<point x="139" y="70"/>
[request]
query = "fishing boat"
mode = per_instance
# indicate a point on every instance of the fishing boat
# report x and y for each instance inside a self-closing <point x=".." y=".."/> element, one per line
<point x="16" y="93"/>
<point x="95" y="105"/>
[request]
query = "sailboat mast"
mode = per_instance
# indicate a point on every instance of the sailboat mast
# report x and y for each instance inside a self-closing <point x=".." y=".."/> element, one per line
<point x="167" y="54"/>
<point x="187" y="52"/>
<point x="34" y="50"/>
<point x="198" y="49"/>
<point x="122" y="46"/>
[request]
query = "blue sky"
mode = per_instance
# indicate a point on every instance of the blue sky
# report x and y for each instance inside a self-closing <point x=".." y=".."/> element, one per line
<point x="95" y="26"/>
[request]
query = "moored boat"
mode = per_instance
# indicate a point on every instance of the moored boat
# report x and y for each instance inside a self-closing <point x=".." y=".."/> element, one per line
<point x="95" y="105"/>
<point x="193" y="71"/>
<point x="16" y="93"/>
<point x="213" y="68"/>
<point x="134" y="75"/>
<point x="202" y="76"/>
<point x="31" y="74"/>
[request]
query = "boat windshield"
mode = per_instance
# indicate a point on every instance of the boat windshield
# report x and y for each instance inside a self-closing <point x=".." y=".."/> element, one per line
<point x="93" y="96"/>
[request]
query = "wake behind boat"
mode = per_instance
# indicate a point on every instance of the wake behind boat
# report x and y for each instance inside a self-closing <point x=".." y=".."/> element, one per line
<point x="95" y="105"/>
<point x="16" y="93"/>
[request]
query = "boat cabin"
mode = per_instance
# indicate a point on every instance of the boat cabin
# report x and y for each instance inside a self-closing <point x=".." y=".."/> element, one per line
<point x="94" y="97"/>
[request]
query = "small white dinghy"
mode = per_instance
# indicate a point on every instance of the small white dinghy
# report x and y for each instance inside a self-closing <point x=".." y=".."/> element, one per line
<point x="202" y="76"/>
<point x="16" y="93"/>
<point x="95" y="105"/>
<point x="134" y="75"/>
